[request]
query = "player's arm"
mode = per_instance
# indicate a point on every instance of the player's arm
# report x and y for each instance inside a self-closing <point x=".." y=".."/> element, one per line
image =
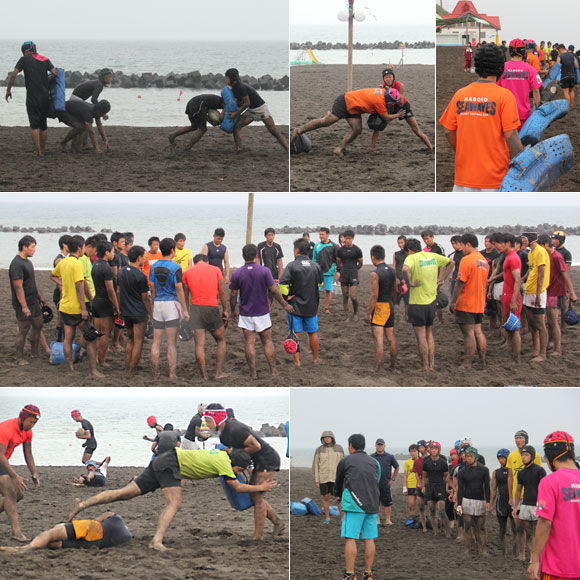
<point x="543" y="528"/>
<point x="223" y="298"/>
<point x="374" y="296"/>
<point x="240" y="487"/>
<point x="10" y="82"/>
<point x="445" y="272"/>
<point x="102" y="133"/>
<point x="569" y="285"/>
<point x="541" y="273"/>
<point x="452" y="138"/>
<point x="513" y="141"/>
<point x="493" y="487"/>
<point x="459" y="284"/>
<point x="233" y="301"/>
<point x="275" y="292"/>
<point x="20" y="296"/>
<point x="251" y="445"/>
<point x="80" y="289"/>
<point x="112" y="295"/>
<point x="27" y="449"/>
<point x="227" y="266"/>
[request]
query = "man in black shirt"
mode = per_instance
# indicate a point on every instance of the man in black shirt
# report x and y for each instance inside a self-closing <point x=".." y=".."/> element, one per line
<point x="166" y="440"/>
<point x="265" y="458"/>
<point x="26" y="299"/>
<point x="306" y="236"/>
<point x="457" y="255"/>
<point x="197" y="110"/>
<point x="271" y="254"/>
<point x="88" y="435"/>
<point x="251" y="107"/>
<point x="349" y="261"/>
<point x="387" y="462"/>
<point x="35" y="68"/>
<point x="433" y="482"/>
<point x="194" y="429"/>
<point x="80" y="115"/>
<point x="92" y="89"/>
<point x="568" y="72"/>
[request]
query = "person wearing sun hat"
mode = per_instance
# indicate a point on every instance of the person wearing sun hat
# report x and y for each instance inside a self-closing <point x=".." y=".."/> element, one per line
<point x="15" y="432"/>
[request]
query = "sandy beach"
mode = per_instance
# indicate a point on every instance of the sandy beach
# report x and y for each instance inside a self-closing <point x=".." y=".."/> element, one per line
<point x="450" y="78"/>
<point x="400" y="161"/>
<point x="210" y="539"/>
<point x="316" y="550"/>
<point x="346" y="355"/>
<point x="143" y="160"/>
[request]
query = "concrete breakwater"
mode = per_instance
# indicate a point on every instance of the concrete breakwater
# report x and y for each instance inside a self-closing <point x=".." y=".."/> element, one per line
<point x="383" y="45"/>
<point x="191" y="80"/>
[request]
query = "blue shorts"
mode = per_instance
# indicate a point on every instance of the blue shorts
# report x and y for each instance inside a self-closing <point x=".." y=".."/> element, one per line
<point x="328" y="281"/>
<point x="303" y="323"/>
<point x="359" y="525"/>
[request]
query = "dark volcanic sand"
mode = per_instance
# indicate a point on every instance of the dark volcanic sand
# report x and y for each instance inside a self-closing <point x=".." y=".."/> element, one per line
<point x="450" y="78"/>
<point x="317" y="550"/>
<point x="143" y="160"/>
<point x="346" y="356"/>
<point x="400" y="161"/>
<point x="210" y="539"/>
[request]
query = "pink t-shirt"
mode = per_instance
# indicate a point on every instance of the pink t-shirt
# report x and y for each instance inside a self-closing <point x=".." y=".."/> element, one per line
<point x="520" y="78"/>
<point x="559" y="502"/>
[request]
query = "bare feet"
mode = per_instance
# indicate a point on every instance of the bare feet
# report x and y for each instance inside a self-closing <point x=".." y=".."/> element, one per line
<point x="97" y="375"/>
<point x="222" y="376"/>
<point x="538" y="359"/>
<point x="159" y="546"/>
<point x="10" y="550"/>
<point x="339" y="153"/>
<point x="20" y="537"/>
<point x="22" y="362"/>
<point x="77" y="507"/>
<point x="171" y="140"/>
<point x="278" y="529"/>
<point x="172" y="376"/>
<point x="295" y="134"/>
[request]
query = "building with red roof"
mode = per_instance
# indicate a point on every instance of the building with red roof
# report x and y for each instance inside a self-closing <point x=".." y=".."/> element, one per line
<point x="465" y="24"/>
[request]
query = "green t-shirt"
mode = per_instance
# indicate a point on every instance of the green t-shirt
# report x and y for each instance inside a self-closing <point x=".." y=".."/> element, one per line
<point x="424" y="266"/>
<point x="87" y="273"/>
<point x="204" y="463"/>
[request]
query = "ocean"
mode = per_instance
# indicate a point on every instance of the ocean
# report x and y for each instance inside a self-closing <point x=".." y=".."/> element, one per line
<point x="198" y="220"/>
<point x="119" y="418"/>
<point x="151" y="107"/>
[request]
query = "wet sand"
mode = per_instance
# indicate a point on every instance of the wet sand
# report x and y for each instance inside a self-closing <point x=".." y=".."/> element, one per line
<point x="143" y="160"/>
<point x="400" y="161"/>
<point x="346" y="355"/>
<point x="210" y="539"/>
<point x="317" y="550"/>
<point x="450" y="78"/>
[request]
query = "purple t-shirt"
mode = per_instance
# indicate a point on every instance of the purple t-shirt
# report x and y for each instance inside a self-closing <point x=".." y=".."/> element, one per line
<point x="252" y="281"/>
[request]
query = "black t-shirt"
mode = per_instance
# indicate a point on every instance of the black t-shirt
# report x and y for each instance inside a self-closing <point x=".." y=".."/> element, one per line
<point x="166" y="441"/>
<point x="567" y="60"/>
<point x="490" y="257"/>
<point x="242" y="90"/>
<point x="498" y="265"/>
<point x="473" y="482"/>
<point x="88" y="89"/>
<point x="269" y="256"/>
<point x="501" y="480"/>
<point x="78" y="111"/>
<point x="201" y="104"/>
<point x="400" y="257"/>
<point x="456" y="256"/>
<point x="349" y="257"/>
<point x="310" y="249"/>
<point x="566" y="255"/>
<point x="436" y="249"/>
<point x="388" y="462"/>
<point x="195" y="422"/>
<point x="132" y="284"/>
<point x="36" y="69"/>
<point x="101" y="272"/>
<point x="303" y="276"/>
<point x="530" y="478"/>
<point x="525" y="261"/>
<point x="235" y="433"/>
<point x="22" y="269"/>
<point x="387" y="280"/>
<point x="435" y="470"/>
<point x="87" y="426"/>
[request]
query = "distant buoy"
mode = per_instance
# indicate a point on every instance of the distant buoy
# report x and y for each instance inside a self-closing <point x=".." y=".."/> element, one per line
<point x="138" y="96"/>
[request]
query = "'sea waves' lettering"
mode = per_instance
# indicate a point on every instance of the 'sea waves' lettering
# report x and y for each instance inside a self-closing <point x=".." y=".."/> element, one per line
<point x="487" y="108"/>
<point x="570" y="493"/>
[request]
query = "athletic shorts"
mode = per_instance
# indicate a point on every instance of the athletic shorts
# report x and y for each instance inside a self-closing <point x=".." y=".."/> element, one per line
<point x="505" y="305"/>
<point x="530" y="303"/>
<point x="328" y="281"/>
<point x="407" y="108"/>
<point x="327" y="487"/>
<point x="82" y="532"/>
<point x="166" y="314"/>
<point x="37" y="114"/>
<point x="349" y="278"/>
<point x="568" y="82"/>
<point x="556" y="302"/>
<point x="303" y="323"/>
<point x="545" y="576"/>
<point x="71" y="319"/>
<point x="473" y="507"/>
<point x="434" y="493"/>
<point x="383" y="315"/>
<point x="35" y="312"/>
<point x="255" y="323"/>
<point x="385" y="496"/>
<point x="462" y="317"/>
<point x="89" y="450"/>
<point x="358" y="525"/>
<point x="527" y="513"/>
<point x="162" y="472"/>
<point x="412" y="491"/>
<point x="266" y="460"/>
<point x="419" y="493"/>
<point x="462" y="189"/>
<point x="422" y="314"/>
<point x="102" y="308"/>
<point x="205" y="318"/>
<point x="497" y="291"/>
<point x="260" y="113"/>
<point x="131" y="321"/>
<point x="339" y="109"/>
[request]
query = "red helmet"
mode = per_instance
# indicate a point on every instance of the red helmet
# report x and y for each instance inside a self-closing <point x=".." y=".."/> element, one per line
<point x="557" y="444"/>
<point x="152" y="421"/>
<point x="436" y="444"/>
<point x="558" y="437"/>
<point x="518" y="46"/>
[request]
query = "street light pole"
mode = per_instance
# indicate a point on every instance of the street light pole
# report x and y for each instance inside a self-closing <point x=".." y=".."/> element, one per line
<point x="250" y="218"/>
<point x="350" y="41"/>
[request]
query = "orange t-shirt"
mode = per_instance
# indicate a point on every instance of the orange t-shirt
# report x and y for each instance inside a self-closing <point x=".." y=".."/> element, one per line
<point x="534" y="61"/>
<point x="366" y="101"/>
<point x="12" y="435"/>
<point x="481" y="113"/>
<point x="202" y="281"/>
<point x="150" y="259"/>
<point x="473" y="271"/>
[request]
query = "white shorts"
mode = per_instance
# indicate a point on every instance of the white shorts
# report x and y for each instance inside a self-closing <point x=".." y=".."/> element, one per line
<point x="166" y="310"/>
<point x="473" y="507"/>
<point x="260" y="113"/>
<point x="255" y="323"/>
<point x="187" y="444"/>
<point x="461" y="189"/>
<point x="527" y="513"/>
<point x="497" y="290"/>
<point x="103" y="468"/>
<point x="530" y="300"/>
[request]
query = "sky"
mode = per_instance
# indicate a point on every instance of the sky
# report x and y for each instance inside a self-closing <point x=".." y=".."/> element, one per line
<point x="146" y="19"/>
<point x="324" y="12"/>
<point x="532" y="22"/>
<point x="403" y="416"/>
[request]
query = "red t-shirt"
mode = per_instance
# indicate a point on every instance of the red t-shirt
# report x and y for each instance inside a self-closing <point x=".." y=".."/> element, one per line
<point x="418" y="466"/>
<point x="557" y="285"/>
<point x="511" y="262"/>
<point x="12" y="435"/>
<point x="202" y="280"/>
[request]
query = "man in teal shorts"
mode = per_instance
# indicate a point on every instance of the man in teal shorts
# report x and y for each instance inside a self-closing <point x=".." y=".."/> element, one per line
<point x="325" y="256"/>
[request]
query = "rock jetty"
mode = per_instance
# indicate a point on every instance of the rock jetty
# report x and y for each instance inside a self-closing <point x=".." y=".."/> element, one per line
<point x="383" y="45"/>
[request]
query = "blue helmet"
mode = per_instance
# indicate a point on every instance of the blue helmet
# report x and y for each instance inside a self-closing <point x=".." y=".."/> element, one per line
<point x="503" y="453"/>
<point x="28" y="46"/>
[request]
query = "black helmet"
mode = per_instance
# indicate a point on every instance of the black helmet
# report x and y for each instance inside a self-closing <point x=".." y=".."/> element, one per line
<point x="47" y="314"/>
<point x="104" y="73"/>
<point x="185" y="331"/>
<point x="28" y="46"/>
<point x="233" y="74"/>
<point x="524" y="434"/>
<point x="489" y="61"/>
<point x="90" y="333"/>
<point x="389" y="71"/>
<point x="561" y="236"/>
<point x="529" y="449"/>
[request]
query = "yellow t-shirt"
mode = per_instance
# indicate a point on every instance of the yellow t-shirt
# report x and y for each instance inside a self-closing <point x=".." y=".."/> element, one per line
<point x="424" y="266"/>
<point x="182" y="257"/>
<point x="536" y="258"/>
<point x="411" y="477"/>
<point x="515" y="463"/>
<point x="87" y="272"/>
<point x="204" y="463"/>
<point x="70" y="270"/>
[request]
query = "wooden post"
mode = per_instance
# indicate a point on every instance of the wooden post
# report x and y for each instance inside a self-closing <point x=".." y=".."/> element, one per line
<point x="350" y="39"/>
<point x="250" y="220"/>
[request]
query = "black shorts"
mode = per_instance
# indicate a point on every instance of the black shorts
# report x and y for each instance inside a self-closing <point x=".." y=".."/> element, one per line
<point x="130" y="321"/>
<point x="37" y="114"/>
<point x="339" y="109"/>
<point x="71" y="319"/>
<point x="536" y="311"/>
<point x="266" y="460"/>
<point x="568" y="82"/>
<point x="56" y="295"/>
<point x="199" y="120"/>
<point x="408" y="113"/>
<point x="412" y="491"/>
<point x="386" y="497"/>
<point x="462" y="317"/>
<point x="98" y="480"/>
<point x="103" y="308"/>
<point x="435" y="493"/>
<point x="422" y="314"/>
<point x="90" y="450"/>
<point x="162" y="472"/>
<point x="35" y="312"/>
<point x="327" y="487"/>
<point x="349" y="278"/>
<point x="205" y="318"/>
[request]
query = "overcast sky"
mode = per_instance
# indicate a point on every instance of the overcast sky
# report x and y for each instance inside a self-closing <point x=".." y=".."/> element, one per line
<point x="146" y="19"/>
<point x="323" y="12"/>
<point x="532" y="22"/>
<point x="489" y="416"/>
